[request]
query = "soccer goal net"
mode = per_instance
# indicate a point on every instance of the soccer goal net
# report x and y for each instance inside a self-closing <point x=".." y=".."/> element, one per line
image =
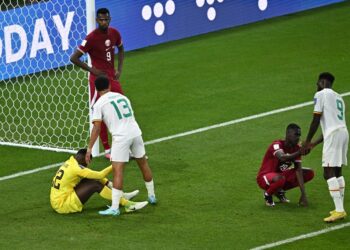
<point x="43" y="98"/>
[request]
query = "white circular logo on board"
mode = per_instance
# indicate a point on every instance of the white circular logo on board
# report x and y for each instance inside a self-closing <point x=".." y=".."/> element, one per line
<point x="262" y="4"/>
<point x="146" y="12"/>
<point x="159" y="10"/>
<point x="211" y="12"/>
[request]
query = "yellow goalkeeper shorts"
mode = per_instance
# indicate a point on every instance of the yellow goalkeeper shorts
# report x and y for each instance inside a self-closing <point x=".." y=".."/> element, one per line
<point x="70" y="204"/>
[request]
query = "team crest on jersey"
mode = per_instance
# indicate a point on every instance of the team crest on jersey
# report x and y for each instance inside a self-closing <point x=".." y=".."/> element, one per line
<point x="285" y="166"/>
<point x="108" y="43"/>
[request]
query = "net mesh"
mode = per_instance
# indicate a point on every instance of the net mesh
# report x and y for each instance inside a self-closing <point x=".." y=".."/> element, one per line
<point x="45" y="104"/>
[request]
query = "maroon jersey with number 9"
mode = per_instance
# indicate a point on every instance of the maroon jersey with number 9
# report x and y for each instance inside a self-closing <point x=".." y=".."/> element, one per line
<point x="100" y="46"/>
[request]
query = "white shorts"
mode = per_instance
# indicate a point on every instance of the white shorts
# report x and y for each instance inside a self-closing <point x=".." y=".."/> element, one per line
<point x="120" y="149"/>
<point x="335" y="148"/>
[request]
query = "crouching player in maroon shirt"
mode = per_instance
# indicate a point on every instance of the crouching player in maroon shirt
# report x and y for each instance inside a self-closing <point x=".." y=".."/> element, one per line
<point x="276" y="174"/>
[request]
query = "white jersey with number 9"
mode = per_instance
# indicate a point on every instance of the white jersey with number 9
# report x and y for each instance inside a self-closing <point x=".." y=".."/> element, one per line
<point x="332" y="107"/>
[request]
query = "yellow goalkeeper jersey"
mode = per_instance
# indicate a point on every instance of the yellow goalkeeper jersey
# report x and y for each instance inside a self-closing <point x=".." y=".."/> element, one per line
<point x="69" y="175"/>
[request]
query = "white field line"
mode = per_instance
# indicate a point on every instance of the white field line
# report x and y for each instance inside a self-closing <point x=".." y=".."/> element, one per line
<point x="301" y="237"/>
<point x="200" y="130"/>
<point x="29" y="171"/>
<point x="224" y="124"/>
<point x="12" y="144"/>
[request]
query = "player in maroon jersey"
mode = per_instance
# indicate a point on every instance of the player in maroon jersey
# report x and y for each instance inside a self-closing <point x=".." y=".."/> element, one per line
<point x="100" y="45"/>
<point x="276" y="173"/>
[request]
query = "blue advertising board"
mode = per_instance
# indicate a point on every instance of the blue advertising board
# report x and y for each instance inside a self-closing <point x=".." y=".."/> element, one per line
<point x="147" y="22"/>
<point x="43" y="36"/>
<point x="40" y="36"/>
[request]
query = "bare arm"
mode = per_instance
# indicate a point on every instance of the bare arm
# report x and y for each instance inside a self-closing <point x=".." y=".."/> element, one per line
<point x="287" y="157"/>
<point x="316" y="142"/>
<point x="93" y="137"/>
<point x="75" y="59"/>
<point x="299" y="173"/>
<point x="307" y="145"/>
<point x="313" y="127"/>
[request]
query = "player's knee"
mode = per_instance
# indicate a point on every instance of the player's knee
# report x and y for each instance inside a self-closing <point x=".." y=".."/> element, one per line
<point x="98" y="186"/>
<point x="278" y="178"/>
<point x="327" y="175"/>
<point x="338" y="172"/>
<point x="279" y="181"/>
<point x="94" y="185"/>
<point x="282" y="181"/>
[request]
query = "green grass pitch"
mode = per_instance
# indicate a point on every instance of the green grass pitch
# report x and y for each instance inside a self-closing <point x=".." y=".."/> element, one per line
<point x="205" y="182"/>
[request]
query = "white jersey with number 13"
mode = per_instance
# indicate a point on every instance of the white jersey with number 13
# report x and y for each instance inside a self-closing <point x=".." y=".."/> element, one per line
<point x="116" y="112"/>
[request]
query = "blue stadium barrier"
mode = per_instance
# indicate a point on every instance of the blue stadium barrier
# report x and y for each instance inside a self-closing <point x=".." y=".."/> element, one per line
<point x="42" y="36"/>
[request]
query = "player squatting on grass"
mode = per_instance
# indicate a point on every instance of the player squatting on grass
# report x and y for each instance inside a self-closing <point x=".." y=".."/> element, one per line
<point x="276" y="174"/>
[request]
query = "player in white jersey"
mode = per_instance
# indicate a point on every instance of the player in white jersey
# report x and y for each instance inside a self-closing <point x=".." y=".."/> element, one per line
<point x="329" y="111"/>
<point x="115" y="111"/>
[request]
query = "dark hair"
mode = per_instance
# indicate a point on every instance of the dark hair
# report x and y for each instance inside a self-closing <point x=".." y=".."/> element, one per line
<point x="101" y="83"/>
<point x="80" y="156"/>
<point x="326" y="76"/>
<point x="292" y="126"/>
<point x="103" y="11"/>
<point x="82" y="152"/>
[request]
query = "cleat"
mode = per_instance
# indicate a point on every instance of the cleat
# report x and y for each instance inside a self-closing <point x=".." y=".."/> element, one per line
<point x="110" y="211"/>
<point x="281" y="195"/>
<point x="131" y="195"/>
<point x="268" y="200"/>
<point x="332" y="212"/>
<point x="335" y="216"/>
<point x="133" y="206"/>
<point x="152" y="199"/>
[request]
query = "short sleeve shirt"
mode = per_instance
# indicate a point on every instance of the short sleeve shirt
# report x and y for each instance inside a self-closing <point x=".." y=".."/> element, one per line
<point x="332" y="107"/>
<point x="116" y="112"/>
<point x="100" y="46"/>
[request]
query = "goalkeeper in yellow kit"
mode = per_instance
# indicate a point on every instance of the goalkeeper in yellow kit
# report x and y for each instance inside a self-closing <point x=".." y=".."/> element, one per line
<point x="74" y="184"/>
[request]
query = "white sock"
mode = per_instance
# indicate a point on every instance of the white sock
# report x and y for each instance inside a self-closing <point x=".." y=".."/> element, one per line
<point x="333" y="187"/>
<point x="150" y="188"/>
<point x="341" y="182"/>
<point x="116" y="195"/>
